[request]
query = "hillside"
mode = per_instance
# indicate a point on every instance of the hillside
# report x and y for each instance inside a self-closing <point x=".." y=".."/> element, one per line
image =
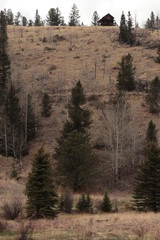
<point x="52" y="59"/>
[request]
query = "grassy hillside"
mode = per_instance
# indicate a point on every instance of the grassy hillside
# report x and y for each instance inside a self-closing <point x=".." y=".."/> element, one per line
<point x="52" y="59"/>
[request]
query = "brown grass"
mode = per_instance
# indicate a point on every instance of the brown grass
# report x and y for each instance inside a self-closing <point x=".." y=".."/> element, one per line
<point x="100" y="226"/>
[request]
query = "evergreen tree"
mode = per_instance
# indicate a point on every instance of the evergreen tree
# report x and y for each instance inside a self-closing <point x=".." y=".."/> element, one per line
<point x="4" y="58"/>
<point x="13" y="124"/>
<point x="106" y="204"/>
<point x="30" y="23"/>
<point x="46" y="106"/>
<point x="74" y="150"/>
<point x="37" y="19"/>
<point x="95" y="19"/>
<point x="130" y="37"/>
<point x="146" y="195"/>
<point x="30" y="120"/>
<point x="126" y="74"/>
<point x="152" y="20"/>
<point x="153" y="96"/>
<point x="76" y="162"/>
<point x="17" y="19"/>
<point x="123" y="29"/>
<point x="24" y="21"/>
<point x="126" y="35"/>
<point x="54" y="17"/>
<point x="10" y="17"/>
<point x="74" y="16"/>
<point x="84" y="203"/>
<point x="151" y="134"/>
<point x="40" y="190"/>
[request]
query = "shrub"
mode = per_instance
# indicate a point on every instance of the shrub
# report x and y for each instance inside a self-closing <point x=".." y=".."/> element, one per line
<point x="85" y="204"/>
<point x="3" y="226"/>
<point x="12" y="210"/>
<point x="44" y="40"/>
<point x="106" y="204"/>
<point x="25" y="231"/>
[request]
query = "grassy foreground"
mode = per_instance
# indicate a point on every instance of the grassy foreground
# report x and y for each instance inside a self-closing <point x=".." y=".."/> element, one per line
<point x="113" y="226"/>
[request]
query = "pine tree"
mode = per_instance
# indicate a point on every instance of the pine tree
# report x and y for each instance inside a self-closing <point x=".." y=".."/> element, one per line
<point x="146" y="195"/>
<point x="37" y="21"/>
<point x="106" y="204"/>
<point x="153" y="96"/>
<point x="84" y="203"/>
<point x="74" y="16"/>
<point x="126" y="74"/>
<point x="125" y="34"/>
<point x="17" y="19"/>
<point x="24" y="21"/>
<point x="10" y="17"/>
<point x="40" y="191"/>
<point x="46" y="106"/>
<point x="152" y="20"/>
<point x="76" y="162"/>
<point x="4" y="58"/>
<point x="95" y="19"/>
<point x="13" y="123"/>
<point x="131" y="37"/>
<point x="54" y="17"/>
<point x="151" y="134"/>
<point x="30" y="120"/>
<point x="123" y="29"/>
<point x="74" y="150"/>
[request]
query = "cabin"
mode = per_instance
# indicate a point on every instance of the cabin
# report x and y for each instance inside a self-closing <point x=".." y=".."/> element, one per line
<point x="107" y="20"/>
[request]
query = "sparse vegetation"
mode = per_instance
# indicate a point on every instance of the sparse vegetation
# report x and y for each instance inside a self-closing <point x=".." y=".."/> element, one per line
<point x="11" y="210"/>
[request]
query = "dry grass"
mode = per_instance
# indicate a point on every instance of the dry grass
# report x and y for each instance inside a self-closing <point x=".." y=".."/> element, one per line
<point x="113" y="226"/>
<point x="90" y="54"/>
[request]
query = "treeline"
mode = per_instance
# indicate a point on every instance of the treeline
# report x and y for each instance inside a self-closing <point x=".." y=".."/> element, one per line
<point x="53" y="18"/>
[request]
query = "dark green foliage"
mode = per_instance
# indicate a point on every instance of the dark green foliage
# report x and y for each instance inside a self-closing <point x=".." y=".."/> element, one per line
<point x="30" y="23"/>
<point x="126" y="35"/>
<point x="158" y="52"/>
<point x="106" y="204"/>
<point x="147" y="185"/>
<point x="95" y="19"/>
<point x="123" y="29"/>
<point x="17" y="20"/>
<point x="10" y="17"/>
<point x="4" y="59"/>
<point x="12" y="125"/>
<point x="37" y="21"/>
<point x="85" y="203"/>
<point x="54" y="17"/>
<point x="153" y="96"/>
<point x="46" y="106"/>
<point x="31" y="120"/>
<point x="24" y="21"/>
<point x="76" y="161"/>
<point x="151" y="134"/>
<point x="79" y="117"/>
<point x="126" y="74"/>
<point x="74" y="16"/>
<point x="40" y="191"/>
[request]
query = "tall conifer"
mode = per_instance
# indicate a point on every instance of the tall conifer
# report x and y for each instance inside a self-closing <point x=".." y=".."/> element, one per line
<point x="40" y="191"/>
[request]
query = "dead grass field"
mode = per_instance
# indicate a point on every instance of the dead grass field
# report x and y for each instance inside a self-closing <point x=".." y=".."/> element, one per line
<point x="113" y="226"/>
